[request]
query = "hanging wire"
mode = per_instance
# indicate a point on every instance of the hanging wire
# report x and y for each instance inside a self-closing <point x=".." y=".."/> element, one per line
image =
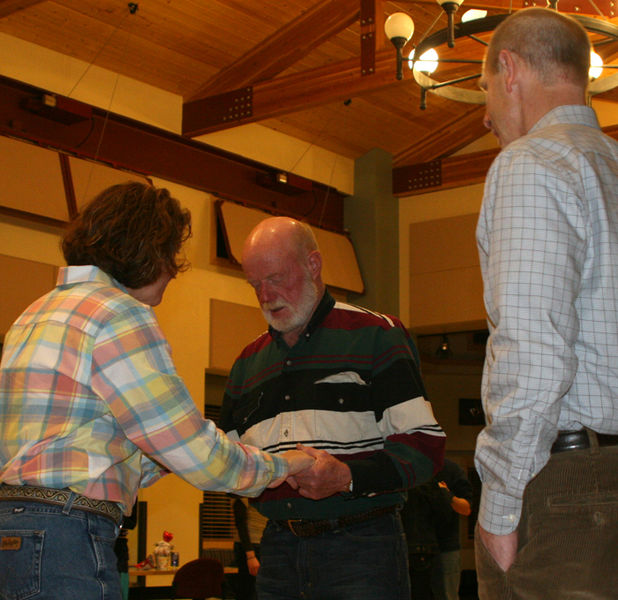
<point x="310" y="145"/>
<point x="600" y="13"/>
<point x="346" y="103"/>
<point x="132" y="10"/>
<point x="429" y="29"/>
<point x="313" y="142"/>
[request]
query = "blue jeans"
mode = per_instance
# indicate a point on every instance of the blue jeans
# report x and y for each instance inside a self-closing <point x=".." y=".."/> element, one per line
<point x="50" y="552"/>
<point x="366" y="561"/>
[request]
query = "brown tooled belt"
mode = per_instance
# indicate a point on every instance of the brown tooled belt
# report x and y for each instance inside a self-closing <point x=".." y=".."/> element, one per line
<point x="580" y="440"/>
<point x="33" y="493"/>
<point x="310" y="528"/>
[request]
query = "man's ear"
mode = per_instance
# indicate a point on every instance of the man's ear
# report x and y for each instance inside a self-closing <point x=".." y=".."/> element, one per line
<point x="314" y="260"/>
<point x="509" y="68"/>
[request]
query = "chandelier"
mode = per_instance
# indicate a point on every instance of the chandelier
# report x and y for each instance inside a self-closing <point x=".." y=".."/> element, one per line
<point x="434" y="73"/>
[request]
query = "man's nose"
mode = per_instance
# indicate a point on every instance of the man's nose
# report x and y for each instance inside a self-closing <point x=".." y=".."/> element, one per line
<point x="264" y="293"/>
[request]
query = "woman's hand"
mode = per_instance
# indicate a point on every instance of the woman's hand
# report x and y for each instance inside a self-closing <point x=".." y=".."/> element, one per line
<point x="297" y="461"/>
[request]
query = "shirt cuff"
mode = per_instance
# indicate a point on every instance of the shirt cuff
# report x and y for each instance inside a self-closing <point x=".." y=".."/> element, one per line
<point x="498" y="513"/>
<point x="280" y="466"/>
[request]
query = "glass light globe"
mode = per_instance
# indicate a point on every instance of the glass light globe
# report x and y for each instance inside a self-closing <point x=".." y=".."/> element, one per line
<point x="596" y="65"/>
<point x="473" y="14"/>
<point x="399" y="25"/>
<point x="427" y="62"/>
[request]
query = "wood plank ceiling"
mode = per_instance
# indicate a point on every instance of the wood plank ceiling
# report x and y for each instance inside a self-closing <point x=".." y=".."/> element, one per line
<point x="299" y="62"/>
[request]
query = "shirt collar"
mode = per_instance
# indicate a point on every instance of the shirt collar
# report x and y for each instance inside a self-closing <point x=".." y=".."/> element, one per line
<point x="84" y="273"/>
<point x="577" y="114"/>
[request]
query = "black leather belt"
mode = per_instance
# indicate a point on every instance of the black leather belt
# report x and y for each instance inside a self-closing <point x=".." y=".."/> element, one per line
<point x="33" y="493"/>
<point x="579" y="440"/>
<point x="308" y="528"/>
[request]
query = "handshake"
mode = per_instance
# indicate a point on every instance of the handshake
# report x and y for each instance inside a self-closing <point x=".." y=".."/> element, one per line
<point x="316" y="474"/>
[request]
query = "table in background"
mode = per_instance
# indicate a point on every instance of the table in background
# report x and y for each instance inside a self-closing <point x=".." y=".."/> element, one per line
<point x="158" y="592"/>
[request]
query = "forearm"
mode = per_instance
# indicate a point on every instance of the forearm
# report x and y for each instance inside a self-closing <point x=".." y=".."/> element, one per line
<point x="156" y="413"/>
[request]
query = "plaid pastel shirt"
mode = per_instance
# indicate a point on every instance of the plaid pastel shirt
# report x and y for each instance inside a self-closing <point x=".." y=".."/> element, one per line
<point x="90" y="400"/>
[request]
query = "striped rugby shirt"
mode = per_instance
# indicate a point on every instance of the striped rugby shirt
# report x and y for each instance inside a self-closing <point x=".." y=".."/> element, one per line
<point x="349" y="386"/>
<point x="90" y="400"/>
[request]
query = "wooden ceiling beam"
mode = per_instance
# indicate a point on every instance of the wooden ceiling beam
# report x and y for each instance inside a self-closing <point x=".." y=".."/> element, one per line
<point x="464" y="128"/>
<point x="287" y="46"/>
<point x="451" y="172"/>
<point x="323" y="85"/>
<point x="112" y="139"/>
<point x="8" y="7"/>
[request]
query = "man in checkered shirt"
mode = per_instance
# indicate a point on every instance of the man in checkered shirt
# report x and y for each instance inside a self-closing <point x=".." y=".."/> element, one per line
<point x="548" y="245"/>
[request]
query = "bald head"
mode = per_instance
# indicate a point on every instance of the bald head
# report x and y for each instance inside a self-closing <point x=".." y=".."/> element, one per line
<point x="282" y="263"/>
<point x="280" y="233"/>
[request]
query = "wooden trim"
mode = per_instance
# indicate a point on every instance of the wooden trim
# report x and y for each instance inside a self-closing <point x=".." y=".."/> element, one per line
<point x="69" y="188"/>
<point x="284" y="95"/>
<point x="28" y="216"/>
<point x="287" y="46"/>
<point x="454" y="171"/>
<point x="369" y="41"/>
<point x="8" y="7"/>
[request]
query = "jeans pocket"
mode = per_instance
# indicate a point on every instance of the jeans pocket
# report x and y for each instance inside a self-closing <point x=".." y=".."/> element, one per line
<point x="21" y="554"/>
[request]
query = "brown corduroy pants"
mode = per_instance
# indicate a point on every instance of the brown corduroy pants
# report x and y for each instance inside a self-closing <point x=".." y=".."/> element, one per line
<point x="568" y="533"/>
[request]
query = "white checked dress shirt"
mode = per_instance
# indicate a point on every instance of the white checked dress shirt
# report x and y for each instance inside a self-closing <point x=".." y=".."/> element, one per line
<point x="548" y="245"/>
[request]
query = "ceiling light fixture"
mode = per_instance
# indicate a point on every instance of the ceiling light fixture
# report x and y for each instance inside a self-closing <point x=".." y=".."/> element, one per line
<point x="475" y="28"/>
<point x="427" y="63"/>
<point x="473" y="14"/>
<point x="399" y="28"/>
<point x="450" y="8"/>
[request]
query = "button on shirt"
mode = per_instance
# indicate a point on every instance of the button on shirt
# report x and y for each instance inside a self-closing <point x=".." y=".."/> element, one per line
<point x="548" y="245"/>
<point x="90" y="400"/>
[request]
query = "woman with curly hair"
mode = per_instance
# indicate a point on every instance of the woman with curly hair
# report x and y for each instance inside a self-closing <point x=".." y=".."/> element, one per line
<point x="91" y="406"/>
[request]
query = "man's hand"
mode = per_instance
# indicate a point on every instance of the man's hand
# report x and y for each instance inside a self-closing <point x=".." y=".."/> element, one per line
<point x="297" y="461"/>
<point x="503" y="548"/>
<point x="327" y="475"/>
<point x="253" y="564"/>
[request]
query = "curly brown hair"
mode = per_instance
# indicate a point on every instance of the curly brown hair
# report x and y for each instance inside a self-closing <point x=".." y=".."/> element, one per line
<point x="132" y="231"/>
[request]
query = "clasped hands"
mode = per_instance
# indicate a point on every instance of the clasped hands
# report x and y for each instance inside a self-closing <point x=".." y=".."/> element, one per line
<point x="316" y="474"/>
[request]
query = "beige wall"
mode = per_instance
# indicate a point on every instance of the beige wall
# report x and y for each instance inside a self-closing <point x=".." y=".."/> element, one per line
<point x="427" y="207"/>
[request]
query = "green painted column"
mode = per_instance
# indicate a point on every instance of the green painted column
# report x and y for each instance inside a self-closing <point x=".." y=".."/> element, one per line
<point x="371" y="216"/>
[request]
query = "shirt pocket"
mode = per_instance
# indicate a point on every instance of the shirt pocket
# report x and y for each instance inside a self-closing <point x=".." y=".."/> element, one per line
<point x="344" y="408"/>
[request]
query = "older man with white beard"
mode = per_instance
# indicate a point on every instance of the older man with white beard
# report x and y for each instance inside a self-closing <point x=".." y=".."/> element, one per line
<point x="341" y="383"/>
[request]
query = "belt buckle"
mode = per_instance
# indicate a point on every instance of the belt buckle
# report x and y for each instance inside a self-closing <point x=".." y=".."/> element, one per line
<point x="291" y="523"/>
